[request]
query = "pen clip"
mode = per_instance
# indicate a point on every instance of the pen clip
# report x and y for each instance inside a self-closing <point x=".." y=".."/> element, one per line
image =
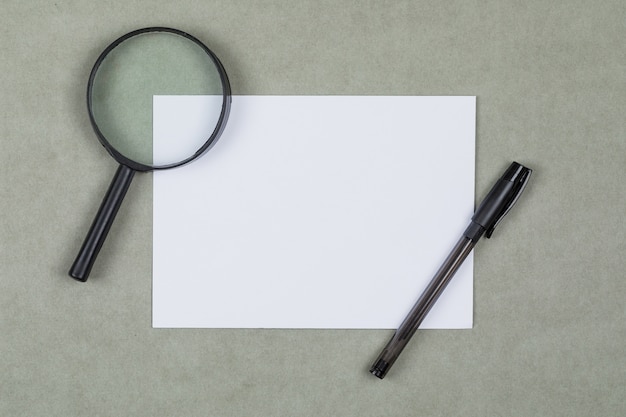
<point x="520" y="181"/>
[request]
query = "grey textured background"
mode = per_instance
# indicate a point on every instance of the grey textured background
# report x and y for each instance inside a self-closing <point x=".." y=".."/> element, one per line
<point x="549" y="333"/>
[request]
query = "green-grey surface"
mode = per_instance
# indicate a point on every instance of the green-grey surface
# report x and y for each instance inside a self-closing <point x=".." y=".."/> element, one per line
<point x="550" y="316"/>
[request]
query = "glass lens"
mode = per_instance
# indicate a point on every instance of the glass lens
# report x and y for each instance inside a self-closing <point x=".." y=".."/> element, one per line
<point x="138" y="72"/>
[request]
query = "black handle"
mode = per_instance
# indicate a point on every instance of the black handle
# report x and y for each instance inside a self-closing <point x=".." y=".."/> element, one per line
<point x="102" y="223"/>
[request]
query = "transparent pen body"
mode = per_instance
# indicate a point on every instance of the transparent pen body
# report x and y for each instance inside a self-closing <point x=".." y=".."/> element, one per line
<point x="423" y="305"/>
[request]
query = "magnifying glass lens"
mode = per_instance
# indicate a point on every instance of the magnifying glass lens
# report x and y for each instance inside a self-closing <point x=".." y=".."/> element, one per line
<point x="132" y="75"/>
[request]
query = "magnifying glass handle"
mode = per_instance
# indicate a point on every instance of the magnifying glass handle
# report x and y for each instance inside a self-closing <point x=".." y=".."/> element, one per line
<point x="102" y="223"/>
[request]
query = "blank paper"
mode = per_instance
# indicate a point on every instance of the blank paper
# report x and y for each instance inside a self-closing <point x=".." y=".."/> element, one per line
<point x="313" y="212"/>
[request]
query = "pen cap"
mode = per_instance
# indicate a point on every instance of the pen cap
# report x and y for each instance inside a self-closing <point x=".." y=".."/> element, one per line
<point x="502" y="197"/>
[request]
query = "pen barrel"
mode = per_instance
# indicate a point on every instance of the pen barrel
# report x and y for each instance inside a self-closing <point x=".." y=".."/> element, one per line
<point x="421" y="308"/>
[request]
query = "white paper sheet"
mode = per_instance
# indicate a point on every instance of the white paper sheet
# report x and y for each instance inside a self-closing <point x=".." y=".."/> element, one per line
<point x="314" y="212"/>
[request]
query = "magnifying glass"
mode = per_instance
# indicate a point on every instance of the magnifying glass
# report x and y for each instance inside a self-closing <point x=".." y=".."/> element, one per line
<point x="126" y="77"/>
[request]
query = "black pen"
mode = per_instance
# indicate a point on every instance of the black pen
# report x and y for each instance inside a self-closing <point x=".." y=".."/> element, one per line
<point x="494" y="207"/>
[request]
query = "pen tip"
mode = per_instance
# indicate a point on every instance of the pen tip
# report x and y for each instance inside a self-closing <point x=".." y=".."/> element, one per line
<point x="379" y="369"/>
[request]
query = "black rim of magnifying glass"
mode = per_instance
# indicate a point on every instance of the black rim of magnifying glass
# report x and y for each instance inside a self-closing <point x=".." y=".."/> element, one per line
<point x="219" y="127"/>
